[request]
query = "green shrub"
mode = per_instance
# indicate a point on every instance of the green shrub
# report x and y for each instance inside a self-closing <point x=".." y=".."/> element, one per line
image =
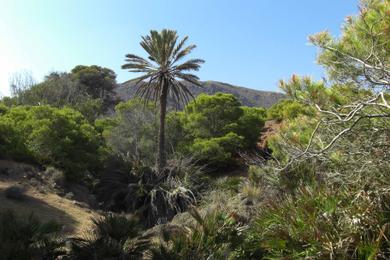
<point x="250" y="125"/>
<point x="112" y="237"/>
<point x="217" y="151"/>
<point x="320" y="223"/>
<point x="211" y="116"/>
<point x="215" y="127"/>
<point x="47" y="135"/>
<point x="214" y="235"/>
<point x="156" y="197"/>
<point x="288" y="109"/>
<point x="132" y="131"/>
<point x="3" y="109"/>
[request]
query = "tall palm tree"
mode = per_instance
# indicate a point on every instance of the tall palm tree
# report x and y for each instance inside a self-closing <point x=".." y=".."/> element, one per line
<point x="163" y="76"/>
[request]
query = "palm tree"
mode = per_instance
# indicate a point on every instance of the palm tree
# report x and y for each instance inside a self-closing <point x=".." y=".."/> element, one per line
<point x="163" y="77"/>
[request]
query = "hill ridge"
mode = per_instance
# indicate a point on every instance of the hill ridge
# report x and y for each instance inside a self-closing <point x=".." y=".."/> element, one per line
<point x="247" y="96"/>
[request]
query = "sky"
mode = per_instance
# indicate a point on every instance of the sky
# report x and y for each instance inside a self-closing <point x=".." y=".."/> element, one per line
<point x="251" y="43"/>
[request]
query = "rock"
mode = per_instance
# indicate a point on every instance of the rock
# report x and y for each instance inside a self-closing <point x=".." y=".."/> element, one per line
<point x="34" y="182"/>
<point x="81" y="204"/>
<point x="69" y="196"/>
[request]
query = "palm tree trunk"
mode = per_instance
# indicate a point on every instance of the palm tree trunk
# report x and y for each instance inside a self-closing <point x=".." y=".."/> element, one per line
<point x="161" y="158"/>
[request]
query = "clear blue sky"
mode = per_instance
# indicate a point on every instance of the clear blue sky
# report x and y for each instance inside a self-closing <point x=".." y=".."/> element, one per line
<point x="251" y="43"/>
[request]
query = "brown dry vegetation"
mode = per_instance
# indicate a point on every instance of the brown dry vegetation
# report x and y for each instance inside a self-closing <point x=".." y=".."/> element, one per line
<point x="271" y="127"/>
<point x="44" y="204"/>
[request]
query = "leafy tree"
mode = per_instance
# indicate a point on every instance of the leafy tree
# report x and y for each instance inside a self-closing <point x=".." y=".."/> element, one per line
<point x="162" y="75"/>
<point x="361" y="55"/>
<point x="98" y="81"/>
<point x="215" y="127"/>
<point x="212" y="116"/>
<point x="336" y="162"/>
<point x="250" y="125"/>
<point x="58" y="89"/>
<point x="133" y="131"/>
<point x="88" y="89"/>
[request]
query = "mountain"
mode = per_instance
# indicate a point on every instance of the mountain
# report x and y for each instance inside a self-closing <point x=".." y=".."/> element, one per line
<point x="247" y="96"/>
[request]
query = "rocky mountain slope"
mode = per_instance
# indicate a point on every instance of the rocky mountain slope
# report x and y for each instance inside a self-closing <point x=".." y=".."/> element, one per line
<point x="247" y="96"/>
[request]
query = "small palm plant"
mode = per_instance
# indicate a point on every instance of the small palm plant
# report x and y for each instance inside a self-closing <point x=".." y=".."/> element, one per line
<point x="163" y="75"/>
<point x="214" y="235"/>
<point x="113" y="237"/>
<point x="29" y="238"/>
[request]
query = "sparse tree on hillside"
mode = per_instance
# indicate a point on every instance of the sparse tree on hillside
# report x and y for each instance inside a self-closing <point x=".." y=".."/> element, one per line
<point x="19" y="82"/>
<point x="163" y="75"/>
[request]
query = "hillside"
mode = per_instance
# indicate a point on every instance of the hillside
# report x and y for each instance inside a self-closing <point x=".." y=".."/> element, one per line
<point x="247" y="96"/>
<point x="42" y="200"/>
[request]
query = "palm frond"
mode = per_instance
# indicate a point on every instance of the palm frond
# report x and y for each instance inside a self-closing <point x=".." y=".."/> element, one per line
<point x="164" y="51"/>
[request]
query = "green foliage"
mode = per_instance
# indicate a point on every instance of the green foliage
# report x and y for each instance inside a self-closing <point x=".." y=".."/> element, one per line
<point x="214" y="235"/>
<point x="218" y="150"/>
<point x="318" y="223"/>
<point x="91" y="108"/>
<point x="3" y="109"/>
<point x="212" y="116"/>
<point x="98" y="82"/>
<point x="296" y="132"/>
<point x="250" y="124"/>
<point x="8" y="101"/>
<point x="88" y="89"/>
<point x="288" y="109"/>
<point x="365" y="39"/>
<point x="58" y="89"/>
<point x="28" y="238"/>
<point x="112" y="237"/>
<point x="164" y="76"/>
<point x="47" y="135"/>
<point x="215" y="127"/>
<point x="155" y="197"/>
<point x="305" y="92"/>
<point x="132" y="131"/>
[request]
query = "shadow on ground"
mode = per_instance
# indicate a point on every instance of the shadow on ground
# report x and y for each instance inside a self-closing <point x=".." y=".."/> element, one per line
<point x="42" y="210"/>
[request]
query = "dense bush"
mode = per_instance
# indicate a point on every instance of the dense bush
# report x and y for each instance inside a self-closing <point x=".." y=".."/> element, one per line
<point x="288" y="109"/>
<point x="155" y="197"/>
<point x="214" y="128"/>
<point x="132" y="131"/>
<point x="218" y="150"/>
<point x="112" y="237"/>
<point x="319" y="223"/>
<point x="88" y="89"/>
<point x="332" y="166"/>
<point x="48" y="135"/>
<point x="214" y="235"/>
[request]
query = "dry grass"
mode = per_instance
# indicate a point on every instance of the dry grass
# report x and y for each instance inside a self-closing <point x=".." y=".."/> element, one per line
<point x="270" y="128"/>
<point x="49" y="206"/>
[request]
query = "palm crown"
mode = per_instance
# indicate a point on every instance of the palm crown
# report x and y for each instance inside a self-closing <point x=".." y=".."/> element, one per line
<point x="162" y="66"/>
<point x="163" y="75"/>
